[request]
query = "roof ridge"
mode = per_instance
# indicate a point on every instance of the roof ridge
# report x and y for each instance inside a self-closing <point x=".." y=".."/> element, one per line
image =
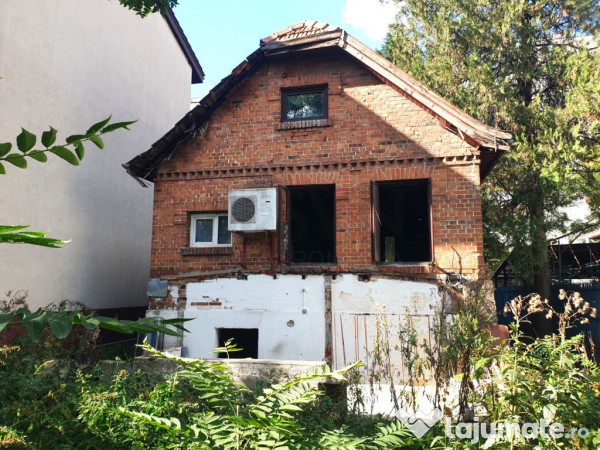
<point x="299" y="30"/>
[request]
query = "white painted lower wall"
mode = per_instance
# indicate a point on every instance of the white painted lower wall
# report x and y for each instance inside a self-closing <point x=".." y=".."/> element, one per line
<point x="289" y="312"/>
<point x="352" y="296"/>
<point x="364" y="312"/>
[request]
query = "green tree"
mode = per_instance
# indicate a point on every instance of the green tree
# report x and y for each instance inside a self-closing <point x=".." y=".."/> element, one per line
<point x="529" y="67"/>
<point x="145" y="7"/>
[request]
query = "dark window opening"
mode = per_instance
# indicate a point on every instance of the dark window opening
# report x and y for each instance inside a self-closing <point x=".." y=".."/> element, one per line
<point x="312" y="224"/>
<point x="304" y="103"/>
<point x="244" y="338"/>
<point x="402" y="230"/>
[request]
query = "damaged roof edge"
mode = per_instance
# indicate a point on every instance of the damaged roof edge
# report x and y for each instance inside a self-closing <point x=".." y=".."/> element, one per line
<point x="484" y="134"/>
<point x="494" y="142"/>
<point x="143" y="166"/>
<point x="197" y="72"/>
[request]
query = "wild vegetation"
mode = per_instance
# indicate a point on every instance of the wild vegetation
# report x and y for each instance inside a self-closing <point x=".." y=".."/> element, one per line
<point x="481" y="381"/>
<point x="55" y="395"/>
<point x="60" y="403"/>
<point x="515" y="64"/>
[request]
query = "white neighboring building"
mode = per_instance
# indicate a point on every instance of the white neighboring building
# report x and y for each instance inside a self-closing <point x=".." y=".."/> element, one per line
<point x="69" y="64"/>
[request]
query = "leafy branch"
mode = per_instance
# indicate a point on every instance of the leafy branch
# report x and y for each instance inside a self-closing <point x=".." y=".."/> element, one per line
<point x="72" y="151"/>
<point x="12" y="234"/>
<point x="61" y="323"/>
<point x="145" y="7"/>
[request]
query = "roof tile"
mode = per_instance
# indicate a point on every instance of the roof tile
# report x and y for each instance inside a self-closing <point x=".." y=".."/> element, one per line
<point x="299" y="30"/>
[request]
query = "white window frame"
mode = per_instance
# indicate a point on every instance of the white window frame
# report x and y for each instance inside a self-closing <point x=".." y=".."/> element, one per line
<point x="215" y="234"/>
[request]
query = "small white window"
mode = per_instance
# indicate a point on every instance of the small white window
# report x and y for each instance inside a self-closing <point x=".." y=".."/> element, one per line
<point x="209" y="230"/>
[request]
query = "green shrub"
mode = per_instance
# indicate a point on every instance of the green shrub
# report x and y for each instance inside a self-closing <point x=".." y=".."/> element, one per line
<point x="62" y="404"/>
<point x="202" y="407"/>
<point x="552" y="379"/>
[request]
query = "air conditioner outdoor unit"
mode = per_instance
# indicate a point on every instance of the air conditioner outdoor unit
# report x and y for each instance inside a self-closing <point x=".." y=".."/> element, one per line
<point x="252" y="209"/>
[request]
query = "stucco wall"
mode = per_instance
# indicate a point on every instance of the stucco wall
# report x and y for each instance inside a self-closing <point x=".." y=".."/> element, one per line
<point x="288" y="312"/>
<point x="69" y="64"/>
<point x="378" y="309"/>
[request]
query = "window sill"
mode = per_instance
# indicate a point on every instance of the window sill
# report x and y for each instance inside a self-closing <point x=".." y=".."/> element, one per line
<point x="297" y="124"/>
<point x="406" y="264"/>
<point x="205" y="251"/>
<point x="309" y="268"/>
<point x="408" y="267"/>
<point x="311" y="264"/>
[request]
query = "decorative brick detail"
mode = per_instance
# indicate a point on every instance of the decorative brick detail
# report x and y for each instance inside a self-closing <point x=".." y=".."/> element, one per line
<point x="165" y="303"/>
<point x="285" y="79"/>
<point x="207" y="251"/>
<point x="304" y="124"/>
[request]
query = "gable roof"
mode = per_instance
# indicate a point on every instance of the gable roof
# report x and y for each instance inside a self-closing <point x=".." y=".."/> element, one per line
<point x="311" y="35"/>
<point x="197" y="72"/>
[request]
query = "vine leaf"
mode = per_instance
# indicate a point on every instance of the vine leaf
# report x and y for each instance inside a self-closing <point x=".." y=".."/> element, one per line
<point x="5" y="148"/>
<point x="97" y="126"/>
<point x="97" y="140"/>
<point x="117" y="126"/>
<point x="25" y="140"/>
<point x="75" y="137"/>
<point x="65" y="154"/>
<point x="79" y="149"/>
<point x="61" y="326"/>
<point x="48" y="137"/>
<point x="17" y="160"/>
<point x="38" y="155"/>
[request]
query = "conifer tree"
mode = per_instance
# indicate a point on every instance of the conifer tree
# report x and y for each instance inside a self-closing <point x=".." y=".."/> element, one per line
<point x="530" y="67"/>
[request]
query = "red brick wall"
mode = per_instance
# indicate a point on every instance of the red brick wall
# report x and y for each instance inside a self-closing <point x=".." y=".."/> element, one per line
<point x="373" y="133"/>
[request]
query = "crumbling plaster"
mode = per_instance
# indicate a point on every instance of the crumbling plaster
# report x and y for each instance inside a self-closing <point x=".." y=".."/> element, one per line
<point x="290" y="313"/>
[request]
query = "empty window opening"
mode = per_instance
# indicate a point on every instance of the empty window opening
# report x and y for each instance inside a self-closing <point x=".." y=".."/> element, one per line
<point x="312" y="224"/>
<point x="244" y="338"/>
<point x="304" y="103"/>
<point x="402" y="230"/>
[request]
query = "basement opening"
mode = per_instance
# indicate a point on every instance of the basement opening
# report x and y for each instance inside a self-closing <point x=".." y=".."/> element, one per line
<point x="244" y="338"/>
<point x="312" y="224"/>
<point x="401" y="222"/>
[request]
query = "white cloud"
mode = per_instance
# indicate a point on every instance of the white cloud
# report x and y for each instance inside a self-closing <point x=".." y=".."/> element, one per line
<point x="371" y="16"/>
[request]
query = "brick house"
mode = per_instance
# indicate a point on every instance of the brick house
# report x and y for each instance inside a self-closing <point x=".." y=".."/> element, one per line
<point x="313" y="189"/>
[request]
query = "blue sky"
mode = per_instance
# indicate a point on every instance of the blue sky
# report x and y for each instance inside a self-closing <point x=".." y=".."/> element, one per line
<point x="222" y="33"/>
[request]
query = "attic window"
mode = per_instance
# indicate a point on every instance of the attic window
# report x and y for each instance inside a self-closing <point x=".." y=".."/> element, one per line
<point x="305" y="103"/>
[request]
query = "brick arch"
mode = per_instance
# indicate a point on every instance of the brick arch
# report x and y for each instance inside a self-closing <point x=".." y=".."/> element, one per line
<point x="404" y="173"/>
<point x="304" y="178"/>
<point x="288" y="80"/>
